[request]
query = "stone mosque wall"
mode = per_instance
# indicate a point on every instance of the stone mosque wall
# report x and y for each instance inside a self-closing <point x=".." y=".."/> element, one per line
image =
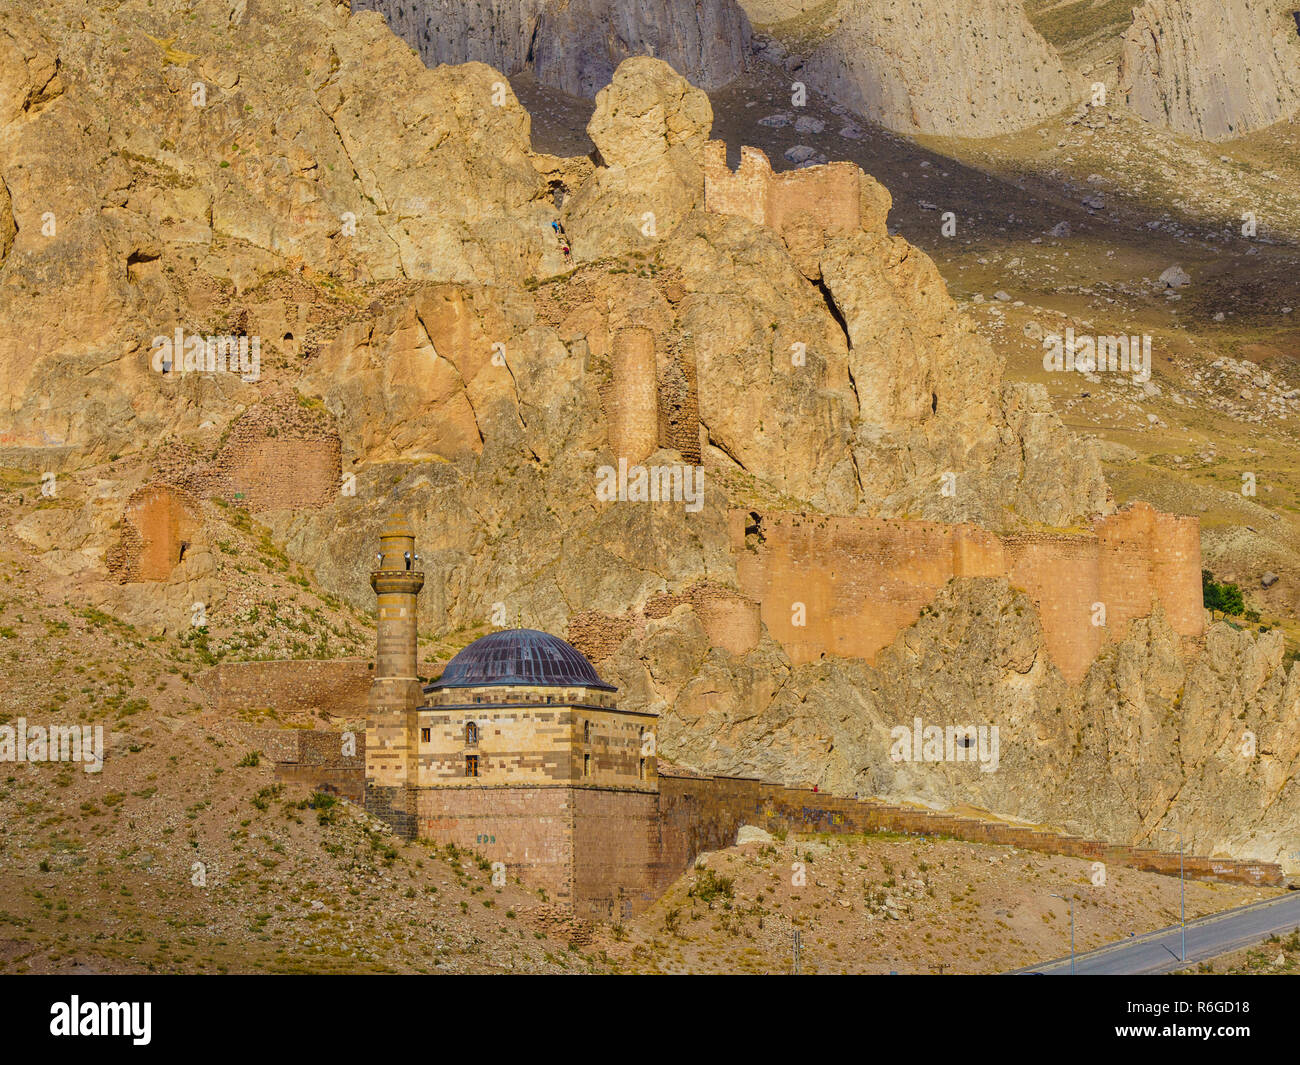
<point x="861" y="581"/>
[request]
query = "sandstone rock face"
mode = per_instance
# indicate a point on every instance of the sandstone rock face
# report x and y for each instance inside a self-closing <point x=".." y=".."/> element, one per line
<point x="649" y="126"/>
<point x="973" y="69"/>
<point x="1212" y="69"/>
<point x="137" y="211"/>
<point x="581" y="42"/>
<point x="387" y="232"/>
<point x="496" y="32"/>
<point x="575" y="45"/>
<point x="646" y="111"/>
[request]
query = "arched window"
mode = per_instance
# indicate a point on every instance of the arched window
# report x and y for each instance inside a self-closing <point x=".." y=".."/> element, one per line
<point x="586" y="732"/>
<point x="471" y="732"/>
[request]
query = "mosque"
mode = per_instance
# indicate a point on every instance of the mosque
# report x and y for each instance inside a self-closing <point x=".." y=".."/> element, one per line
<point x="519" y="752"/>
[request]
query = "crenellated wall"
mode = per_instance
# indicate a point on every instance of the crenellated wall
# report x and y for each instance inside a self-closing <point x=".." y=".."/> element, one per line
<point x="848" y="586"/>
<point x="826" y="199"/>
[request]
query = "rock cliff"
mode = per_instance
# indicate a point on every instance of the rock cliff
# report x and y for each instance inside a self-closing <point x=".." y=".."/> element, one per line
<point x="1212" y="69"/>
<point x="575" y="45"/>
<point x="389" y="235"/>
<point x="970" y="69"/>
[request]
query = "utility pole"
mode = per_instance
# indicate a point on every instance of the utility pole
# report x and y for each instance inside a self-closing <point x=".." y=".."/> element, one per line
<point x="797" y="945"/>
<point x="1070" y="903"/>
<point x="1182" y="889"/>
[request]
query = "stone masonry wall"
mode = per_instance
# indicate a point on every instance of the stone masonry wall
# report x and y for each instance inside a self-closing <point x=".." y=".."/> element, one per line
<point x="861" y="581"/>
<point x="607" y="853"/>
<point x="730" y="620"/>
<point x="825" y="199"/>
<point x="317" y="760"/>
<point x="336" y="686"/>
<point x="529" y="829"/>
<point x="634" y="398"/>
<point x="703" y="813"/>
<point x="279" y="454"/>
<point x="679" y="406"/>
<point x="618" y="867"/>
<point x="159" y="521"/>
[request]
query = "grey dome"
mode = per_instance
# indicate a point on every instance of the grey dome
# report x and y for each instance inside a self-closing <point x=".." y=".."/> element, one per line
<point x="520" y="656"/>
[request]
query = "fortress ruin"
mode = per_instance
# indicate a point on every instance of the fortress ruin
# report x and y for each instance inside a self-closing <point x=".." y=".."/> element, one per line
<point x="651" y="401"/>
<point x="863" y="580"/>
<point x="281" y="453"/>
<point x="519" y="751"/>
<point x="158" y="525"/>
<point x="826" y="198"/>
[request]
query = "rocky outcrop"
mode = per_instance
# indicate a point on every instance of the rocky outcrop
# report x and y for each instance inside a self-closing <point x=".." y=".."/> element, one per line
<point x="389" y="234"/>
<point x="1159" y="734"/>
<point x="575" y="45"/>
<point x="138" y="212"/>
<point x="1212" y="69"/>
<point x="970" y="69"/>
<point x="649" y="128"/>
<point x="499" y="33"/>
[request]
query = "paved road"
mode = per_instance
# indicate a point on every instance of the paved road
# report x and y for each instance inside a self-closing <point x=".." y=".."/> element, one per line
<point x="1207" y="937"/>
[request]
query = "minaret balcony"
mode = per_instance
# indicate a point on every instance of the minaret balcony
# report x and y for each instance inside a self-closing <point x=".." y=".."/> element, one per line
<point x="390" y="581"/>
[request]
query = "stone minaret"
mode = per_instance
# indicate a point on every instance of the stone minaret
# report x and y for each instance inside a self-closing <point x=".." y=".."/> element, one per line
<point x="395" y="693"/>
